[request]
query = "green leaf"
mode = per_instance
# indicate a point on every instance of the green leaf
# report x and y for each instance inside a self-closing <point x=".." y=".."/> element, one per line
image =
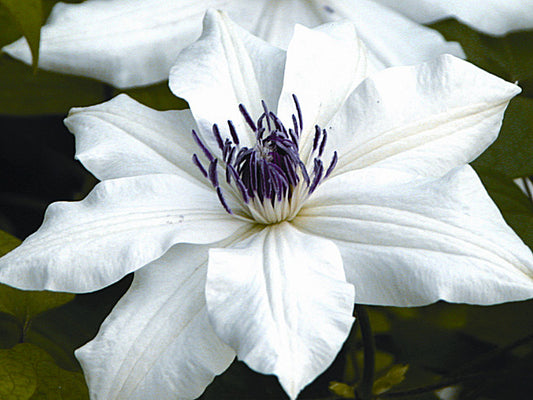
<point x="511" y="153"/>
<point x="7" y="243"/>
<point x="24" y="93"/>
<point x="515" y="206"/>
<point x="26" y="364"/>
<point x="10" y="31"/>
<point x="509" y="56"/>
<point x="156" y="96"/>
<point x="28" y="14"/>
<point x="394" y="376"/>
<point x="23" y="304"/>
<point x="342" y="390"/>
<point x="18" y="379"/>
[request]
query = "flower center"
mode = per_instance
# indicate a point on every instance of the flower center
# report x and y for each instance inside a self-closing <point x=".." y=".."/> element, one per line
<point x="270" y="178"/>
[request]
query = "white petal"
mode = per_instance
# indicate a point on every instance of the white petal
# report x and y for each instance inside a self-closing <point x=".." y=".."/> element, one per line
<point x="496" y="17"/>
<point x="122" y="138"/>
<point x="157" y="342"/>
<point x="122" y="42"/>
<point x="392" y="38"/>
<point x="274" y="21"/>
<point x="226" y="67"/>
<point x="410" y="242"/>
<point x="426" y="119"/>
<point x="322" y="69"/>
<point x="280" y="299"/>
<point x="119" y="227"/>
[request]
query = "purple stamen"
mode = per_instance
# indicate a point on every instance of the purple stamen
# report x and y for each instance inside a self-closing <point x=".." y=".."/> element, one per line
<point x="295" y="125"/>
<point x="197" y="162"/>
<point x="202" y="146"/>
<point x="298" y="110"/>
<point x="223" y="201"/>
<point x="213" y="176"/>
<point x="218" y="138"/>
<point x="332" y="164"/>
<point x="318" y="170"/>
<point x="304" y="173"/>
<point x="266" y="114"/>
<point x="270" y="170"/>
<point x="294" y="139"/>
<point x="233" y="133"/>
<point x="317" y="136"/>
<point x="247" y="117"/>
<point x="229" y="158"/>
<point x="323" y="143"/>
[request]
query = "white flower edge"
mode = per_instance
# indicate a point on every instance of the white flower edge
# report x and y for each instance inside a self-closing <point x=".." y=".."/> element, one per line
<point x="122" y="225"/>
<point x="96" y="39"/>
<point x="411" y="242"/>
<point x="493" y="17"/>
<point x="158" y="342"/>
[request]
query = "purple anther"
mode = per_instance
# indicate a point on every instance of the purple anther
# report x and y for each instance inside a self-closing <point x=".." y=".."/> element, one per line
<point x="244" y="152"/>
<point x="332" y="164"/>
<point x="323" y="143"/>
<point x="202" y="146"/>
<point x="318" y="131"/>
<point x="298" y="110"/>
<point x="317" y="164"/>
<point x="247" y="117"/>
<point x="260" y="121"/>
<point x="243" y="191"/>
<point x="197" y="162"/>
<point x="295" y="124"/>
<point x="269" y="169"/>
<point x="216" y="134"/>
<point x="277" y="122"/>
<point x="304" y="173"/>
<point x="233" y="132"/>
<point x="290" y="172"/>
<point x="266" y="113"/>
<point x="264" y="181"/>
<point x="240" y="184"/>
<point x="213" y="176"/>
<point x="228" y="175"/>
<point x="229" y="158"/>
<point x="318" y="170"/>
<point x="223" y="201"/>
<point x="293" y="137"/>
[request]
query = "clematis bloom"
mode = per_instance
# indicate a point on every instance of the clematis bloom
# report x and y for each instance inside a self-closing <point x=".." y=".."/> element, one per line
<point x="294" y="186"/>
<point x="98" y="38"/>
<point x="493" y="17"/>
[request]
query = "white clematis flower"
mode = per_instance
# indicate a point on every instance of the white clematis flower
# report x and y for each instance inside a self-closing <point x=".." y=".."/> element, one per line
<point x="134" y="42"/>
<point x="301" y="191"/>
<point x="493" y="17"/>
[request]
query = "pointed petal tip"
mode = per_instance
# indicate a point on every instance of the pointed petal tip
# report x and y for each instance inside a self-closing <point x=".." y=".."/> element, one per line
<point x="452" y="62"/>
<point x="19" y="50"/>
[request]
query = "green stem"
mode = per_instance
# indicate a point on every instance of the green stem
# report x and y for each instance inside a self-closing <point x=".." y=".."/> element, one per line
<point x="369" y="350"/>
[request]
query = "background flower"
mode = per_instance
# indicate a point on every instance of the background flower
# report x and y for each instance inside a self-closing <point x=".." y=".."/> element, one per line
<point x="97" y="38"/>
<point x="494" y="17"/>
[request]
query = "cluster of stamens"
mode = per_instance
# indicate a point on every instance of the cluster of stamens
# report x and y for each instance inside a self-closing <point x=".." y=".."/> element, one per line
<point x="266" y="175"/>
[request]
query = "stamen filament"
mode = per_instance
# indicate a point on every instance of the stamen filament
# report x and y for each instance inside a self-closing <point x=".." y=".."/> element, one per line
<point x="270" y="177"/>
